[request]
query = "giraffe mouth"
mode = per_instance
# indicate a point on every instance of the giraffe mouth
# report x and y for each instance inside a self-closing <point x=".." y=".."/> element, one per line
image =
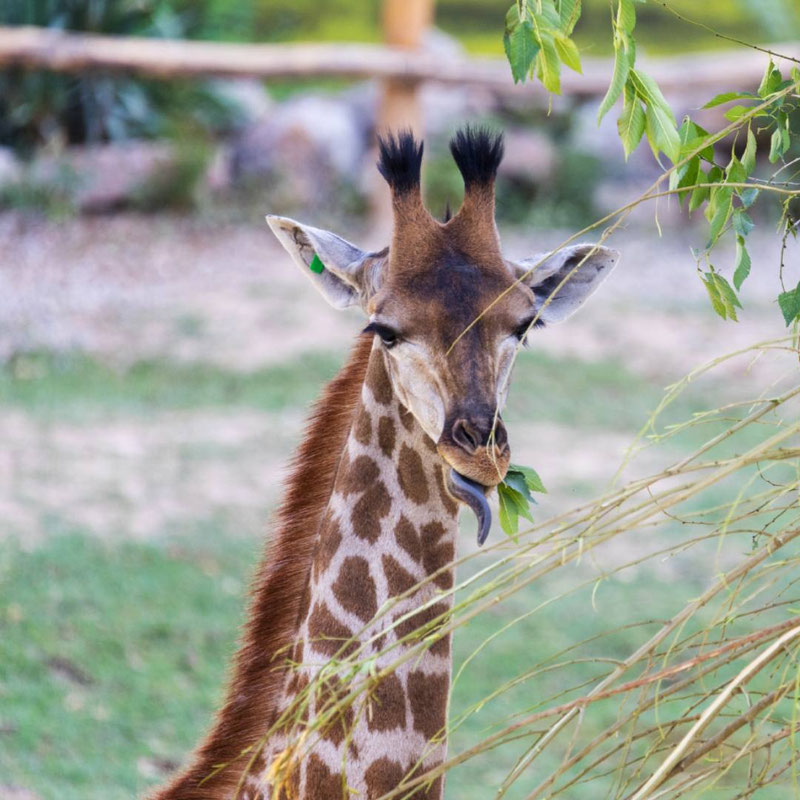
<point x="474" y="495"/>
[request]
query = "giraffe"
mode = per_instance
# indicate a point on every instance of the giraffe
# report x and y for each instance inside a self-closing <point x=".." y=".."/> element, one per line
<point x="359" y="570"/>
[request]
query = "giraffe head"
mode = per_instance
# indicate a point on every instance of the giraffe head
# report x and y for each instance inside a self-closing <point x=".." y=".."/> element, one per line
<point x="448" y="309"/>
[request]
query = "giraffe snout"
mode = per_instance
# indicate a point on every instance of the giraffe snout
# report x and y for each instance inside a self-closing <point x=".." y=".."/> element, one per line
<point x="470" y="434"/>
<point x="476" y="446"/>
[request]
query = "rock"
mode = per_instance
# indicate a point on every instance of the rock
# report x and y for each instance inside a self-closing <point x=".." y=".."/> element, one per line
<point x="101" y="177"/>
<point x="10" y="168"/>
<point x="305" y="131"/>
<point x="247" y="96"/>
<point x="529" y="155"/>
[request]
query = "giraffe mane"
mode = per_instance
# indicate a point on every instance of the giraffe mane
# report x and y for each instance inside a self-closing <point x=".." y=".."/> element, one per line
<point x="253" y="691"/>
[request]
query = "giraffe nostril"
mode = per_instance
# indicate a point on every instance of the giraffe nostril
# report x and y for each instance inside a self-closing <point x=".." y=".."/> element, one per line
<point x="465" y="435"/>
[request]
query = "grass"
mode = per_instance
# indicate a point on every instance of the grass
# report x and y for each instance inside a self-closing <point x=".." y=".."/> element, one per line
<point x="111" y="658"/>
<point x="70" y="385"/>
<point x="112" y="653"/>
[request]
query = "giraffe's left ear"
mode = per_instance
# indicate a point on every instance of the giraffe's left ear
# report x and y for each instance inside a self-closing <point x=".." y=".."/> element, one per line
<point x="584" y="266"/>
<point x="344" y="274"/>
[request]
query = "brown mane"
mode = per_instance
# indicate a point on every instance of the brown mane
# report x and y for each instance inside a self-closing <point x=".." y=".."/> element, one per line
<point x="253" y="691"/>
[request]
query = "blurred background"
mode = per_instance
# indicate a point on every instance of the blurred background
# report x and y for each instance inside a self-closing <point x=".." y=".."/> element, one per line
<point x="159" y="352"/>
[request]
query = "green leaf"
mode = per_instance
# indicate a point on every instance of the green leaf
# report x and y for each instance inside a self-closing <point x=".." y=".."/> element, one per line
<point x="521" y="49"/>
<point x="516" y="480"/>
<point x="531" y="477"/>
<point x="770" y="81"/>
<point x="622" y="68"/>
<point x="509" y="519"/>
<point x="726" y="97"/>
<point x="661" y="132"/>
<point x="626" y="15"/>
<point x="742" y="223"/>
<point x="728" y="295"/>
<point x="713" y="295"/>
<point x="631" y="122"/>
<point x="789" y="303"/>
<point x="569" y="12"/>
<point x="568" y="52"/>
<point x="687" y="177"/>
<point x="734" y="172"/>
<point x="692" y="138"/>
<point x="748" y="196"/>
<point x="650" y="93"/>
<point x="775" y="145"/>
<point x="521" y="504"/>
<point x="548" y="66"/>
<point x="723" y="299"/>
<point x="545" y="16"/>
<point x="659" y="120"/>
<point x="700" y="193"/>
<point x="720" y="205"/>
<point x="734" y="113"/>
<point x="749" y="155"/>
<point x="742" y="269"/>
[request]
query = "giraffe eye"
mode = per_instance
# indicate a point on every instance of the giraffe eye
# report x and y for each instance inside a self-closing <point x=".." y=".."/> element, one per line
<point x="388" y="335"/>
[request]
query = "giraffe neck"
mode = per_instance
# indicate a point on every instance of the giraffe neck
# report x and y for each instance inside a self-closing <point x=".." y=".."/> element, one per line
<point x="388" y="525"/>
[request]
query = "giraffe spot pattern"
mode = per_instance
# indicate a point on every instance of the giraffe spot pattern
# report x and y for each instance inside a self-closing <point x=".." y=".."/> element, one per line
<point x="397" y="577"/>
<point x="406" y="536"/>
<point x="355" y="589"/>
<point x="331" y="694"/>
<point x="321" y="782"/>
<point x="387" y="434"/>
<point x="437" y="553"/>
<point x="368" y="512"/>
<point x="426" y="622"/>
<point x="382" y="776"/>
<point x="427" y="696"/>
<point x="411" y="475"/>
<point x="363" y="427"/>
<point x="407" y="418"/>
<point x="378" y="381"/>
<point x="330" y="538"/>
<point x="388" y="705"/>
<point x="327" y="634"/>
<point x="362" y="472"/>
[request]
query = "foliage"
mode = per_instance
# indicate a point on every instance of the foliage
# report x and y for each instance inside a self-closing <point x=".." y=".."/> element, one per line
<point x="39" y="107"/>
<point x="515" y="498"/>
<point x="724" y="189"/>
<point x="685" y="735"/>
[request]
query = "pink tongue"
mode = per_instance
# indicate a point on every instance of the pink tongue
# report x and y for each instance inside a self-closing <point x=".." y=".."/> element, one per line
<point x="472" y="493"/>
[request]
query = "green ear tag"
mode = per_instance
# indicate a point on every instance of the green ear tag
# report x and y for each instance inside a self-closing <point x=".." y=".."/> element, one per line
<point x="316" y="265"/>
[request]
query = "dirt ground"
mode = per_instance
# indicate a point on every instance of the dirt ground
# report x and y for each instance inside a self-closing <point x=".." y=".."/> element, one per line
<point x="125" y="288"/>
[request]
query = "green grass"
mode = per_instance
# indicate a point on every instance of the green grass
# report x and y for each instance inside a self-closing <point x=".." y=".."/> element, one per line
<point x="110" y="654"/>
<point x="73" y="384"/>
<point x="600" y="394"/>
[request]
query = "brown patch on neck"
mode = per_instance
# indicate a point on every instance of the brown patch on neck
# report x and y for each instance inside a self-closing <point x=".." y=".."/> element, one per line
<point x="260" y="667"/>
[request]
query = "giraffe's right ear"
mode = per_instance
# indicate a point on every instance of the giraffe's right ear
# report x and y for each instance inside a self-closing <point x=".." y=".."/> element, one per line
<point x="344" y="274"/>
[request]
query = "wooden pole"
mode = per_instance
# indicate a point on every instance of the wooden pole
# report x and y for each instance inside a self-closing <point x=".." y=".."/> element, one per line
<point x="404" y="25"/>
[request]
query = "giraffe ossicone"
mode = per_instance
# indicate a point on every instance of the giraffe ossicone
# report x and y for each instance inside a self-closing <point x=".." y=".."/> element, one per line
<point x="341" y="684"/>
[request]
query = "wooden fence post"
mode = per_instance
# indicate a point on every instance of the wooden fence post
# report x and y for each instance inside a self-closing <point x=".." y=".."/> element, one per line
<point x="404" y="25"/>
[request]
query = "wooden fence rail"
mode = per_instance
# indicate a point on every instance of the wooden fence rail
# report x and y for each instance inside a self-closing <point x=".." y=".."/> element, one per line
<point x="59" y="51"/>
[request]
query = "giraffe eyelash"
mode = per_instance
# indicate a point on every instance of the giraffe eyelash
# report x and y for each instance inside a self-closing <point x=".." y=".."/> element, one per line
<point x="388" y="335"/>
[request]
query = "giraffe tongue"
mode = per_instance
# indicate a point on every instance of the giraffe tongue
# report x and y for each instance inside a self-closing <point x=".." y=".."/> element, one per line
<point x="473" y="494"/>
